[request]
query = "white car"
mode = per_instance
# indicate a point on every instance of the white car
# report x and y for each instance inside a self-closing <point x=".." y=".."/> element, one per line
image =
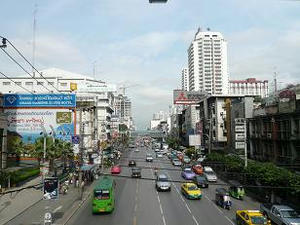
<point x="210" y="174"/>
<point x="159" y="155"/>
<point x="208" y="169"/>
<point x="136" y="150"/>
<point x="201" y="158"/>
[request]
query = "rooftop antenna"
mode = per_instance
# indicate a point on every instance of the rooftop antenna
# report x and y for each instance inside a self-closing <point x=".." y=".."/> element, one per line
<point x="33" y="38"/>
<point x="275" y="82"/>
<point x="94" y="69"/>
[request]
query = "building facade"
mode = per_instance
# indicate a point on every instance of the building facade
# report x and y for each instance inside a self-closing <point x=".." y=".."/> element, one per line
<point x="207" y="63"/>
<point x="185" y="79"/>
<point x="250" y="86"/>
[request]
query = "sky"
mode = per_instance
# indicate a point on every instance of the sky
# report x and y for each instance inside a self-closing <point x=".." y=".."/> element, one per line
<point x="144" y="46"/>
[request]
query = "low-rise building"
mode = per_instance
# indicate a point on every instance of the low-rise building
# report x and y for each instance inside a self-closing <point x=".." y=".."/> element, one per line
<point x="274" y="131"/>
<point x="250" y="86"/>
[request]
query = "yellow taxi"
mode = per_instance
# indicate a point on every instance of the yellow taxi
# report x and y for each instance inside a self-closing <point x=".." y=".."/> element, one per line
<point x="251" y="217"/>
<point x="191" y="191"/>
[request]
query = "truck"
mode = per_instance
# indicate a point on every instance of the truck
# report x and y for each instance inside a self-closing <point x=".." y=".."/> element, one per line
<point x="280" y="214"/>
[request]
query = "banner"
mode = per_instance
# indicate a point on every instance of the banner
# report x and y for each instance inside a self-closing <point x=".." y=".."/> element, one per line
<point x="40" y="100"/>
<point x="27" y="124"/>
<point x="187" y="97"/>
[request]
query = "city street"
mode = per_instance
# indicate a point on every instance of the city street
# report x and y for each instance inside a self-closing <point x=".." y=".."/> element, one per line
<point x="138" y="202"/>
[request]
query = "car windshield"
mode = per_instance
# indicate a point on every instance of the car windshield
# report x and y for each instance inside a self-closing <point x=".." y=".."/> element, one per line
<point x="290" y="214"/>
<point x="101" y="194"/>
<point x="201" y="178"/>
<point x="192" y="188"/>
<point x="187" y="170"/>
<point x="210" y="173"/>
<point x="259" y="220"/>
<point x="165" y="179"/>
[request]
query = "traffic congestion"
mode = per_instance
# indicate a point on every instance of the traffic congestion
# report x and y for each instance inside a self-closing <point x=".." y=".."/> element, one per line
<point x="152" y="184"/>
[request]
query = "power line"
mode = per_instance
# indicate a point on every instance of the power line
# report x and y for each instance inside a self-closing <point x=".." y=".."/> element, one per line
<point x="16" y="82"/>
<point x="22" y="67"/>
<point x="31" y="65"/>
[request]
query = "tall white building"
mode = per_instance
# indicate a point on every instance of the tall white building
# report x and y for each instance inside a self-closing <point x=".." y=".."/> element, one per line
<point x="185" y="79"/>
<point x="250" y="86"/>
<point x="207" y="63"/>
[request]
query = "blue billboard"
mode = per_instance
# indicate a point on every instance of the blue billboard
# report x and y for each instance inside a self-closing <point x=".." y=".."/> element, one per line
<point x="40" y="100"/>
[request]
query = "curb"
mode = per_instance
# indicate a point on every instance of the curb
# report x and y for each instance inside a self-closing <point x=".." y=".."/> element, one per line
<point x="77" y="208"/>
<point x="23" y="211"/>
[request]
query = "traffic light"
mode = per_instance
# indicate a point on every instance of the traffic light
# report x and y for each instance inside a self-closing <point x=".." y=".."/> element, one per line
<point x="51" y="188"/>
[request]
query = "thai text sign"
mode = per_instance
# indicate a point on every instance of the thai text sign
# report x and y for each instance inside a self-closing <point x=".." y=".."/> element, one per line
<point x="39" y="100"/>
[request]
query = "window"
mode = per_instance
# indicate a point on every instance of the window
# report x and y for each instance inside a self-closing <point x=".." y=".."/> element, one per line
<point x="63" y="84"/>
<point x="28" y="83"/>
<point x="40" y="83"/>
<point x="51" y="83"/>
<point x="18" y="83"/>
<point x="6" y="83"/>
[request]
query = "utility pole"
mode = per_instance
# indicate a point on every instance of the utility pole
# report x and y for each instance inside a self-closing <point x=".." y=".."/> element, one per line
<point x="81" y="133"/>
<point x="33" y="39"/>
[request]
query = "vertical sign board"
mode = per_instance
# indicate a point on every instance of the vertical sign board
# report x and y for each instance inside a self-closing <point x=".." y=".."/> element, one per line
<point x="194" y="140"/>
<point x="240" y="133"/>
<point x="51" y="188"/>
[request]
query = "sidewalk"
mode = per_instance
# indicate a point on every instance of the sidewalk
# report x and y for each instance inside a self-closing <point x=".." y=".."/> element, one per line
<point x="13" y="204"/>
<point x="61" y="209"/>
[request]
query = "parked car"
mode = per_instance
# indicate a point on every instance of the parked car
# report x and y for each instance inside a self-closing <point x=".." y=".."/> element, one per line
<point x="131" y="163"/>
<point x="251" y="217"/>
<point x="162" y="183"/>
<point x="188" y="174"/>
<point x="115" y="169"/>
<point x="200" y="181"/>
<point x="280" y="214"/>
<point x="136" y="172"/>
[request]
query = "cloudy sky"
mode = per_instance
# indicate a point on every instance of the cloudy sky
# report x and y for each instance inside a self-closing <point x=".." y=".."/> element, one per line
<point x="144" y="45"/>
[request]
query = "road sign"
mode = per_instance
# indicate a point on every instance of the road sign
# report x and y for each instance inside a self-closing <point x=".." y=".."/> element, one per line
<point x="75" y="139"/>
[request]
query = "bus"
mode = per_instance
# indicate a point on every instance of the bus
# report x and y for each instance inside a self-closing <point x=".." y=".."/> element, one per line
<point x="104" y="195"/>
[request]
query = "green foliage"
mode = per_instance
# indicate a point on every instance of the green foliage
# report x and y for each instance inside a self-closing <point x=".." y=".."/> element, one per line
<point x="173" y="142"/>
<point x="191" y="152"/>
<point x="21" y="175"/>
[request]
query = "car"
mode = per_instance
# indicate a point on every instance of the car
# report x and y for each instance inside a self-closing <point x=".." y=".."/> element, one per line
<point x="188" y="174"/>
<point x="159" y="155"/>
<point x="136" y="150"/>
<point x="115" y="169"/>
<point x="186" y="159"/>
<point x="251" y="217"/>
<point x="191" y="191"/>
<point x="131" y="163"/>
<point x="149" y="157"/>
<point x="198" y="169"/>
<point x="162" y="183"/>
<point x="136" y="172"/>
<point x="157" y="150"/>
<point x="208" y="169"/>
<point x="200" y="181"/>
<point x="201" y="158"/>
<point x="211" y="176"/>
<point x="176" y="162"/>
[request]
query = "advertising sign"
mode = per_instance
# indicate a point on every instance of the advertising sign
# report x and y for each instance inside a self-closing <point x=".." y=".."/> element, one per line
<point x="187" y="97"/>
<point x="51" y="188"/>
<point x="239" y="145"/>
<point x="40" y="100"/>
<point x="240" y="137"/>
<point x="27" y="124"/>
<point x="194" y="140"/>
<point x="239" y="128"/>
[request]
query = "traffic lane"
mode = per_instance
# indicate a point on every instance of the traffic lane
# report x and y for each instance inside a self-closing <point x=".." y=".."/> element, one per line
<point x="148" y="208"/>
<point x="175" y="210"/>
<point x="204" y="211"/>
<point x="124" y="208"/>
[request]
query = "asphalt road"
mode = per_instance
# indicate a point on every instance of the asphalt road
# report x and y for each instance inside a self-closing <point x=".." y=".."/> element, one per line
<point x="138" y="202"/>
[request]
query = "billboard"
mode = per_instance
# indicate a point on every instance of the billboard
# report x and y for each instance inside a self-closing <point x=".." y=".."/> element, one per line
<point x="40" y="100"/>
<point x="194" y="140"/>
<point x="29" y="123"/>
<point x="187" y="97"/>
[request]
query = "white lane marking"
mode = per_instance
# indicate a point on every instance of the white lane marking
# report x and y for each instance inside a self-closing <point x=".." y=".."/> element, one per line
<point x="58" y="208"/>
<point x="229" y="220"/>
<point x="185" y="203"/>
<point x="158" y="199"/>
<point x="194" y="218"/>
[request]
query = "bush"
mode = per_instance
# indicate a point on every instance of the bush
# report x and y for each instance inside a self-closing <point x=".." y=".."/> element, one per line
<point x="23" y="174"/>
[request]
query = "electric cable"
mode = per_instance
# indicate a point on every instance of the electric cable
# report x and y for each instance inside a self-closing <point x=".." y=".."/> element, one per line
<point x="16" y="83"/>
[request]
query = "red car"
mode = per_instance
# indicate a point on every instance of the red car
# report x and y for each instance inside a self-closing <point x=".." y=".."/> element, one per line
<point x="115" y="169"/>
<point x="198" y="169"/>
